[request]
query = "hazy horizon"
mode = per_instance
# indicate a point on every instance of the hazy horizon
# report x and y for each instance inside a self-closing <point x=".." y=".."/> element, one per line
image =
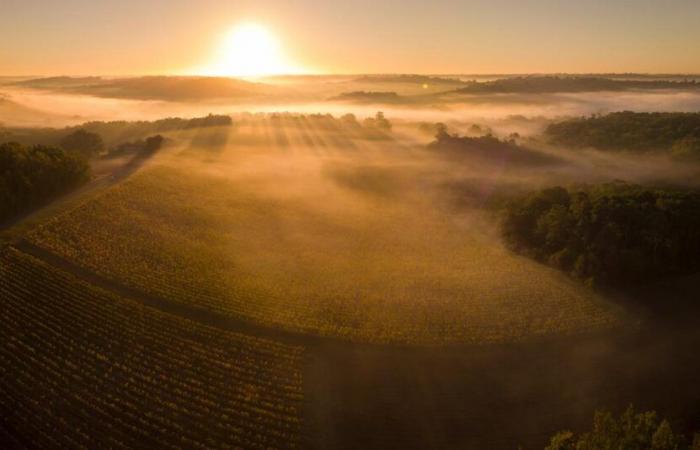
<point x="455" y="224"/>
<point x="78" y="37"/>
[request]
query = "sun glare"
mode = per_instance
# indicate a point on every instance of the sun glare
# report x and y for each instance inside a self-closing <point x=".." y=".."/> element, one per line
<point x="250" y="50"/>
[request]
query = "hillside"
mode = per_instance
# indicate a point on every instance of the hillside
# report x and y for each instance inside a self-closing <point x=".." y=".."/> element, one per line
<point x="169" y="88"/>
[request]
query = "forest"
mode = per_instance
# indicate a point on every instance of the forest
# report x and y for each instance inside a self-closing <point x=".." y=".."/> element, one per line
<point x="675" y="133"/>
<point x="553" y="83"/>
<point x="613" y="234"/>
<point x="31" y="175"/>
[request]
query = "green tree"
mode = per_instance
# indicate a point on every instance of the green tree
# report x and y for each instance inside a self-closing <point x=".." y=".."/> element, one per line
<point x="631" y="431"/>
<point x="83" y="143"/>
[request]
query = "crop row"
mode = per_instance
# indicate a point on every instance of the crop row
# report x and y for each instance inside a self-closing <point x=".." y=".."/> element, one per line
<point x="84" y="368"/>
<point x="384" y="275"/>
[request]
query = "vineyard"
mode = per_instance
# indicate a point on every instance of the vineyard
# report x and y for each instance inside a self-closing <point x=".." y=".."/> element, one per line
<point x="84" y="368"/>
<point x="256" y="238"/>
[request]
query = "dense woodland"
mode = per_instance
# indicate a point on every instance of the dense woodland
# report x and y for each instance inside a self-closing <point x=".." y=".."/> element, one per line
<point x="610" y="234"/>
<point x="677" y="133"/>
<point x="30" y="176"/>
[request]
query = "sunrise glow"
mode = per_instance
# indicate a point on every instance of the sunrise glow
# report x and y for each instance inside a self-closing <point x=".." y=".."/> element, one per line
<point x="249" y="50"/>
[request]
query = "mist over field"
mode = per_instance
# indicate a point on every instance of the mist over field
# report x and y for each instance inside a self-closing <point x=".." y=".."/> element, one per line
<point x="244" y="254"/>
<point x="349" y="225"/>
<point x="51" y="103"/>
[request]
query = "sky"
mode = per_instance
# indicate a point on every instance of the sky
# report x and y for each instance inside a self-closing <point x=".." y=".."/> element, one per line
<point x="136" y="37"/>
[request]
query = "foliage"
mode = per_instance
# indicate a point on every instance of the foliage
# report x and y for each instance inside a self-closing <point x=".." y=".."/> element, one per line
<point x="631" y="431"/>
<point x="487" y="148"/>
<point x="368" y="96"/>
<point x="611" y="234"/>
<point x="678" y="133"/>
<point x="83" y="143"/>
<point x="144" y="146"/>
<point x="113" y="133"/>
<point x="409" y="79"/>
<point x="378" y="121"/>
<point x="30" y="176"/>
<point x="552" y="84"/>
<point x="81" y="367"/>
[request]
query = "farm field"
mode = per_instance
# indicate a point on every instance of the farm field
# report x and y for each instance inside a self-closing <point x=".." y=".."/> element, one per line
<point x="333" y="225"/>
<point x="336" y="240"/>
<point x="81" y="367"/>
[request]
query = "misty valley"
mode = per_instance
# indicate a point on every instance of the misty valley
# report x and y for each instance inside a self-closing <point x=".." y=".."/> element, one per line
<point x="371" y="261"/>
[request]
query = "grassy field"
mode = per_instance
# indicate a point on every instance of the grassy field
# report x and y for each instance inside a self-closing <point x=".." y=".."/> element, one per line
<point x="346" y="239"/>
<point x="84" y="368"/>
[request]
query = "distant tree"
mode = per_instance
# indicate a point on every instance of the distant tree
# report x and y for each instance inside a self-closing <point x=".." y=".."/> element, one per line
<point x="154" y="143"/>
<point x="83" y="143"/>
<point x="675" y="133"/>
<point x="149" y="145"/>
<point x="631" y="431"/>
<point x="475" y="129"/>
<point x="378" y="122"/>
<point x="487" y="148"/>
<point x="441" y="131"/>
<point x="349" y="120"/>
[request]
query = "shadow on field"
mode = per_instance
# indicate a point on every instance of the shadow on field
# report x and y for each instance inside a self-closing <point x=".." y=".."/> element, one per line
<point x="503" y="396"/>
<point x="213" y="139"/>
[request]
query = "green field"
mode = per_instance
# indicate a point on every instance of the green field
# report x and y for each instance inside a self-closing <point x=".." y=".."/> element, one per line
<point x="352" y="243"/>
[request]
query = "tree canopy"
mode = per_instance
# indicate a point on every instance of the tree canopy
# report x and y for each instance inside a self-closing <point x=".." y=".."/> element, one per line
<point x="83" y="143"/>
<point x="631" y="431"/>
<point x="552" y="84"/>
<point x="677" y="133"/>
<point x="612" y="234"/>
<point x="30" y="176"/>
<point x="488" y="148"/>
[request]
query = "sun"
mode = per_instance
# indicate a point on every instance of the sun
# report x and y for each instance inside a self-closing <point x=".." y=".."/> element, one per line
<point x="250" y="50"/>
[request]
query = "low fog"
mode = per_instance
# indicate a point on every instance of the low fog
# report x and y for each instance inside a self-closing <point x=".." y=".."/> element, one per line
<point x="370" y="233"/>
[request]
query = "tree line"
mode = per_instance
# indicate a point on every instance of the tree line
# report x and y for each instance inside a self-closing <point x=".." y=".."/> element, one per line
<point x="633" y="430"/>
<point x="488" y="148"/>
<point x="674" y="133"/>
<point x="113" y="133"/>
<point x="609" y="234"/>
<point x="553" y="84"/>
<point x="32" y="175"/>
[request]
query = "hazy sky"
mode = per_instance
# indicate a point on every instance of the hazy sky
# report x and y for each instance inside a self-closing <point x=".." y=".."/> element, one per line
<point x="42" y="37"/>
